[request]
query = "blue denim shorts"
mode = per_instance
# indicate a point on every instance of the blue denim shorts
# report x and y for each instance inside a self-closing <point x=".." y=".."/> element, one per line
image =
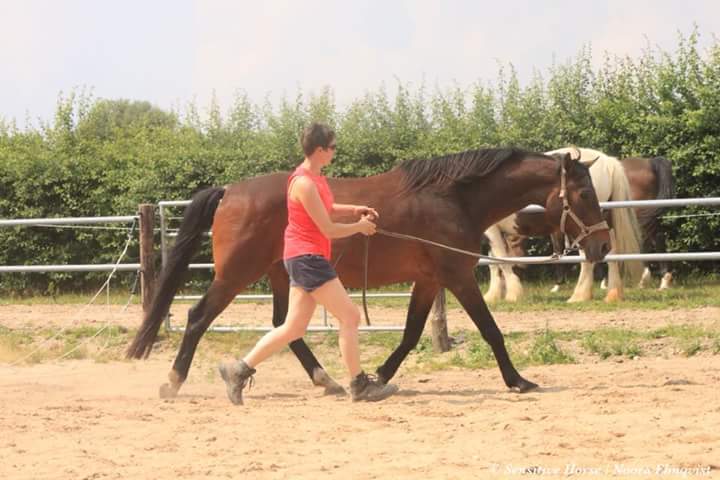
<point x="309" y="272"/>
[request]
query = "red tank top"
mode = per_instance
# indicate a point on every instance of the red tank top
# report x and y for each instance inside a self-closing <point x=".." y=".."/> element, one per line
<point x="302" y="236"/>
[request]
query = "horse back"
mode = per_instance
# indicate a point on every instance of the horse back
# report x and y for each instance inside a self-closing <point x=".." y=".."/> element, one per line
<point x="642" y="178"/>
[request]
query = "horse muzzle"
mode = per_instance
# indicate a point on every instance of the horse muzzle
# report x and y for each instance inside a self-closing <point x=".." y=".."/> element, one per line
<point x="597" y="246"/>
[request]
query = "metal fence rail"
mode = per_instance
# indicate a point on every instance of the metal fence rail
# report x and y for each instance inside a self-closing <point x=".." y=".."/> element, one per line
<point x="28" y="222"/>
<point x="164" y="235"/>
<point x="647" y="257"/>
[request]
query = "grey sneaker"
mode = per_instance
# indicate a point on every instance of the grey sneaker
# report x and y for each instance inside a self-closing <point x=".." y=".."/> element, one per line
<point x="367" y="388"/>
<point x="236" y="376"/>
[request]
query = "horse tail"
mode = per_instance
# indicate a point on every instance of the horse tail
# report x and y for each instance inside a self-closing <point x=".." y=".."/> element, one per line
<point x="628" y="236"/>
<point x="197" y="219"/>
<point x="663" y="172"/>
<point x="649" y="217"/>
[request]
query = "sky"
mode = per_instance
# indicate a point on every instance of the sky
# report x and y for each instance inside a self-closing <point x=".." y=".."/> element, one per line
<point x="174" y="52"/>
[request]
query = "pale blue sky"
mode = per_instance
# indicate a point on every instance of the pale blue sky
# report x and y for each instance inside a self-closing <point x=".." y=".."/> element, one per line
<point x="171" y="52"/>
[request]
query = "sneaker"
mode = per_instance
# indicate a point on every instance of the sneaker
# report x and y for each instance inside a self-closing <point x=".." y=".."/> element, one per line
<point x="236" y="376"/>
<point x="367" y="388"/>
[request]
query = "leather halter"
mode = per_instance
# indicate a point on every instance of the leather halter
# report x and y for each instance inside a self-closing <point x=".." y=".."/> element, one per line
<point x="585" y="231"/>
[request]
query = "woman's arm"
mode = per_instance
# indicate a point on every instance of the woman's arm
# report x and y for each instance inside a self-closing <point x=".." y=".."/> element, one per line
<point x="304" y="191"/>
<point x="357" y="210"/>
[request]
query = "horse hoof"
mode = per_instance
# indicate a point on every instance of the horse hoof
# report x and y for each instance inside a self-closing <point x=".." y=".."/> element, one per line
<point x="322" y="379"/>
<point x="336" y="391"/>
<point x="666" y="281"/>
<point x="523" y="386"/>
<point x="168" y="391"/>
<point x="491" y="298"/>
<point x="575" y="299"/>
<point x="613" y="296"/>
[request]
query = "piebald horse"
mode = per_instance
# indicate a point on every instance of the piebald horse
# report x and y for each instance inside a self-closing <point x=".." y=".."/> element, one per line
<point x="610" y="183"/>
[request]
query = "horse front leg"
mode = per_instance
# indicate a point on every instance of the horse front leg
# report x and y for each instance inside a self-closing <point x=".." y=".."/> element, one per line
<point x="280" y="283"/>
<point x="615" y="292"/>
<point x="558" y="245"/>
<point x="421" y="301"/>
<point x="583" y="288"/>
<point x="468" y="294"/>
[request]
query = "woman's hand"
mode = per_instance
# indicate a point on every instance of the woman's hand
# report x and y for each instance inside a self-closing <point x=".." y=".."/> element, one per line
<point x="366" y="226"/>
<point x="361" y="210"/>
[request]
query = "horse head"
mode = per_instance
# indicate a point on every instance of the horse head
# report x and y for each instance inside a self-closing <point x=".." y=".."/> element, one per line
<point x="574" y="207"/>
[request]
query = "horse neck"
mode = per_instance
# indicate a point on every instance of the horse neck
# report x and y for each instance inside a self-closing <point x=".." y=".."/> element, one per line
<point x="512" y="187"/>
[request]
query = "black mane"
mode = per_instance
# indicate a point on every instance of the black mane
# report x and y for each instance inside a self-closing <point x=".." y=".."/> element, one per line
<point x="456" y="168"/>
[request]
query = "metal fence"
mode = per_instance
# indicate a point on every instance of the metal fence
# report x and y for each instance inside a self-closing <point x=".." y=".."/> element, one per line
<point x="166" y="234"/>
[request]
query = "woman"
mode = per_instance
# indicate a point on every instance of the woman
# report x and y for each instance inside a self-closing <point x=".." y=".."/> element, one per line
<point x="313" y="280"/>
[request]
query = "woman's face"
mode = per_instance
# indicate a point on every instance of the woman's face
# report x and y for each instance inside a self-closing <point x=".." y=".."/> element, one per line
<point x="328" y="152"/>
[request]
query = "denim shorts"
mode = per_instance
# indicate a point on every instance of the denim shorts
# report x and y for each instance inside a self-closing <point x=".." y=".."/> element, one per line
<point x="309" y="272"/>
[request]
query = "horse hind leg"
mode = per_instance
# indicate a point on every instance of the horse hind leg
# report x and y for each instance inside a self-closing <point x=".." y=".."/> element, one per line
<point x="421" y="301"/>
<point x="665" y="273"/>
<point x="200" y="316"/>
<point x="513" y="286"/>
<point x="496" y="288"/>
<point x="646" y="278"/>
<point x="280" y="284"/>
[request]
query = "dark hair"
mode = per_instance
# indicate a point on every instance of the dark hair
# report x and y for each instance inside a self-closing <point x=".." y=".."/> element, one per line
<point x="316" y="135"/>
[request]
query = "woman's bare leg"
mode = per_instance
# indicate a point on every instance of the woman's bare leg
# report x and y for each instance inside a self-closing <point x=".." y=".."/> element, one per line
<point x="336" y="300"/>
<point x="300" y="310"/>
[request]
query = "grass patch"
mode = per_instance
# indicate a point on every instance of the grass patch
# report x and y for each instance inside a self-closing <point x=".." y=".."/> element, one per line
<point x="607" y="342"/>
<point x="693" y="292"/>
<point x="469" y="351"/>
<point x="545" y="351"/>
<point x="72" y="344"/>
<point x="716" y="345"/>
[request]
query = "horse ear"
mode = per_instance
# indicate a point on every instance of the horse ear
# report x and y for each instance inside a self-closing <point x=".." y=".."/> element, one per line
<point x="577" y="154"/>
<point x="589" y="163"/>
<point x="567" y="161"/>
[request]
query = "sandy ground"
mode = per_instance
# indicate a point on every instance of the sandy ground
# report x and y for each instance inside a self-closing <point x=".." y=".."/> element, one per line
<point x="49" y="316"/>
<point x="647" y="418"/>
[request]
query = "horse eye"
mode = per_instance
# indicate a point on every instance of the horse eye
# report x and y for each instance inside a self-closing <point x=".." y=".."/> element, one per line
<point x="585" y="195"/>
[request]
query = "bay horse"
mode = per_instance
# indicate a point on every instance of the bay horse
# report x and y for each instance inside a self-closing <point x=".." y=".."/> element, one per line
<point x="610" y="183"/>
<point x="450" y="199"/>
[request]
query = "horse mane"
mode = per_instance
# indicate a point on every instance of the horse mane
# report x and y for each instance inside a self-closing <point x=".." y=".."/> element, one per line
<point x="456" y="168"/>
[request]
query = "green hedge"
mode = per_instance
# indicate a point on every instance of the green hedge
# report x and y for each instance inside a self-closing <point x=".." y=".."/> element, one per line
<point x="104" y="157"/>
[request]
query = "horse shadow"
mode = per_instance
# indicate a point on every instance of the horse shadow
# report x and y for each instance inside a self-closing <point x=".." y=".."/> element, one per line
<point x="471" y="396"/>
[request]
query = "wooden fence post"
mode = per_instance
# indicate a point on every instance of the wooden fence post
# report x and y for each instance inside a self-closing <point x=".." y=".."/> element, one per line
<point x="147" y="254"/>
<point x="440" y="338"/>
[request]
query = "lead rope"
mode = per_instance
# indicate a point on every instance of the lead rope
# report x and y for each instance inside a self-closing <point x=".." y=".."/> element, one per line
<point x="365" y="280"/>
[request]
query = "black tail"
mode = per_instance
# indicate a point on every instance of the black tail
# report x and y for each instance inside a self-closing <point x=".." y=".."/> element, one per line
<point x="197" y="219"/>
<point x="649" y="217"/>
